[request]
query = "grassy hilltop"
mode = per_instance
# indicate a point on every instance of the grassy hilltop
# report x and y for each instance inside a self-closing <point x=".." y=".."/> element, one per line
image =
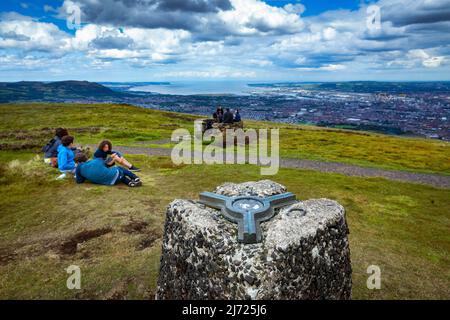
<point x="29" y="125"/>
<point x="114" y="233"/>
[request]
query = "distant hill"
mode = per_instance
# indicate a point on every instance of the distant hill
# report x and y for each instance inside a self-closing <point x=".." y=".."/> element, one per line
<point x="387" y="87"/>
<point x="366" y="86"/>
<point x="54" y="91"/>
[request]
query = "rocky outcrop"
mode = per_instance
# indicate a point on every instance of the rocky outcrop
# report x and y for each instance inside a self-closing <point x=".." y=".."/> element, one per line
<point x="304" y="253"/>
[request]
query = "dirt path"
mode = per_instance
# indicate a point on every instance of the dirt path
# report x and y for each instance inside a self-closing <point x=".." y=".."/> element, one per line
<point x="435" y="180"/>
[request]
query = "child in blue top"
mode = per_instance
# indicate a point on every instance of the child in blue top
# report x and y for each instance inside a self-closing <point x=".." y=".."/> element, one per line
<point x="66" y="163"/>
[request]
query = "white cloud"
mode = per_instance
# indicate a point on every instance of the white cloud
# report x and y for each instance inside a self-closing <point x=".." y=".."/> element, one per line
<point x="26" y="62"/>
<point x="300" y="60"/>
<point x="253" y="17"/>
<point x="296" y="8"/>
<point x="328" y="67"/>
<point x="418" y="54"/>
<point x="150" y="45"/>
<point x="433" y="62"/>
<point x="329" y="33"/>
<point x="22" y="32"/>
<point x="249" y="39"/>
<point x="162" y="40"/>
<point x="48" y="8"/>
<point x="426" y="59"/>
<point x="260" y="62"/>
<point x="332" y="67"/>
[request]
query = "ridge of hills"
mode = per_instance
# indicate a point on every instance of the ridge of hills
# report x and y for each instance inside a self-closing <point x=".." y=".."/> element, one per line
<point x="71" y="89"/>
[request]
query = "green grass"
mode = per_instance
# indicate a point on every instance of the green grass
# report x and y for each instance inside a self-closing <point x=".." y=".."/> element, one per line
<point x="401" y="227"/>
<point x="367" y="149"/>
<point x="361" y="148"/>
<point x="90" y="123"/>
<point x="27" y="126"/>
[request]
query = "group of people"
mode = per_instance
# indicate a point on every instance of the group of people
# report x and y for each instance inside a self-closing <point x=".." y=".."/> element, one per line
<point x="227" y="116"/>
<point x="60" y="152"/>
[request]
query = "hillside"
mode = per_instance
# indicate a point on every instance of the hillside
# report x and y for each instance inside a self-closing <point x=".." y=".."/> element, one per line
<point x="113" y="233"/>
<point x="26" y="125"/>
<point x="53" y="91"/>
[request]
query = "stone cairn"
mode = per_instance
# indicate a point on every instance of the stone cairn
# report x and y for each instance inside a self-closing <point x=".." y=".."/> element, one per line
<point x="223" y="127"/>
<point x="210" y="124"/>
<point x="304" y="253"/>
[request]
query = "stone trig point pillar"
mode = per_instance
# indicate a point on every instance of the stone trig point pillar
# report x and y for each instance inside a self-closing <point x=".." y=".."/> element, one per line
<point x="231" y="245"/>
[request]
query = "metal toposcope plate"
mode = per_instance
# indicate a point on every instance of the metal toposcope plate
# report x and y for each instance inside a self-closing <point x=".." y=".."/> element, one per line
<point x="247" y="211"/>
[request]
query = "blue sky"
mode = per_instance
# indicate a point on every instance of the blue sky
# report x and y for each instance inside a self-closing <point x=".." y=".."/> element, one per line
<point x="315" y="7"/>
<point x="248" y="40"/>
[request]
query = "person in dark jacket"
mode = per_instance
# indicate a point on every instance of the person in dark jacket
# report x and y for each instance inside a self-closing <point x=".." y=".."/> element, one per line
<point x="51" y="148"/>
<point x="105" y="152"/>
<point x="228" y="117"/>
<point x="96" y="171"/>
<point x="237" y="116"/>
<point x="219" y="113"/>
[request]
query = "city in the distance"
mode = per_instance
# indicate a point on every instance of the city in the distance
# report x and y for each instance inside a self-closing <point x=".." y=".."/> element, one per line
<point x="400" y="108"/>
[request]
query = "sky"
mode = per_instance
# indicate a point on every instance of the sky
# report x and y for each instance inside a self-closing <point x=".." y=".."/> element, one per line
<point x="217" y="40"/>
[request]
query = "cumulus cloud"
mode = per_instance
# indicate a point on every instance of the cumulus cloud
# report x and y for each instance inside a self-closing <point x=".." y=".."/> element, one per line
<point x="111" y="42"/>
<point x="329" y="33"/>
<point x="341" y="37"/>
<point x="170" y="14"/>
<point x="408" y="12"/>
<point x="426" y="59"/>
<point x="253" y="17"/>
<point x="207" y="19"/>
<point x="141" y="47"/>
<point x="433" y="62"/>
<point x="27" y="34"/>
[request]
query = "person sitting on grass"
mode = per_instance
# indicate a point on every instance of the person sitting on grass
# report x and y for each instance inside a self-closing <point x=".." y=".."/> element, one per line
<point x="219" y="113"/>
<point x="228" y="116"/>
<point x="96" y="171"/>
<point x="111" y="157"/>
<point x="237" y="116"/>
<point x="66" y="155"/>
<point x="51" y="148"/>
